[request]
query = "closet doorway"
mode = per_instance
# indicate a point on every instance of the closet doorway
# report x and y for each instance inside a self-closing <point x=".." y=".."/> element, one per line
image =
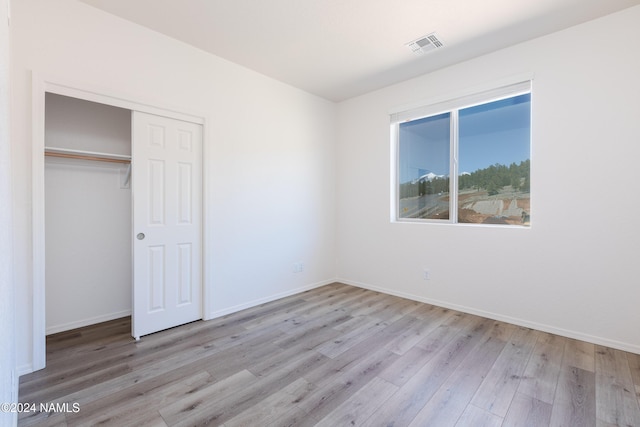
<point x="118" y="214"/>
<point x="88" y="260"/>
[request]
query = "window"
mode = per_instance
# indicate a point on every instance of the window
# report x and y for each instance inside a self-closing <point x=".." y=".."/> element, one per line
<point x="467" y="160"/>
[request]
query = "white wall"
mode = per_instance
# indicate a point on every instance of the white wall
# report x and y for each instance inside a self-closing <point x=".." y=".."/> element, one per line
<point x="87" y="216"/>
<point x="8" y="378"/>
<point x="574" y="271"/>
<point x="269" y="150"/>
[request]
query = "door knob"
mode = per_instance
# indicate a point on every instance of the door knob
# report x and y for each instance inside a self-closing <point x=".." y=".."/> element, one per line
<point x="140" y="236"/>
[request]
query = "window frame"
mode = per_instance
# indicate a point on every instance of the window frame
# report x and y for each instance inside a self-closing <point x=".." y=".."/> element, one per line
<point x="452" y="106"/>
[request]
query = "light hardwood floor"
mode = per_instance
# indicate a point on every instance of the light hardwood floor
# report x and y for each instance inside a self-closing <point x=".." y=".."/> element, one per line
<point x="334" y="356"/>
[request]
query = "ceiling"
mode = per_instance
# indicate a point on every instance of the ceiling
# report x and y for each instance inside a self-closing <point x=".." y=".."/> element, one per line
<point x="338" y="49"/>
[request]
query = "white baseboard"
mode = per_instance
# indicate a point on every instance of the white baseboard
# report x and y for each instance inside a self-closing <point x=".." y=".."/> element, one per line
<point x="632" y="348"/>
<point x="244" y="306"/>
<point x="21" y="370"/>
<point x="86" y="322"/>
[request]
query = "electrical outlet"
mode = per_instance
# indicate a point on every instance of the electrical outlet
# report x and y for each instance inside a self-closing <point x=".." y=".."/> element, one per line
<point x="426" y="274"/>
<point x="298" y="267"/>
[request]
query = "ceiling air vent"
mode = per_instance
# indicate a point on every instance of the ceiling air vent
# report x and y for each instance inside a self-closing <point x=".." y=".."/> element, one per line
<point x="425" y="44"/>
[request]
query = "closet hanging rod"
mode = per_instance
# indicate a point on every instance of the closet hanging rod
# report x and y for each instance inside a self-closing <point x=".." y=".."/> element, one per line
<point x="86" y="155"/>
<point x="81" y="157"/>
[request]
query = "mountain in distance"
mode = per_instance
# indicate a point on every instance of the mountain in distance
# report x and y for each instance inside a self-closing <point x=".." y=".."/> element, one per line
<point x="429" y="176"/>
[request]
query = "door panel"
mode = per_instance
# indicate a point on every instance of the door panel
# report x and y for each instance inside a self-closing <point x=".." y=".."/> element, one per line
<point x="184" y="273"/>
<point x="167" y="223"/>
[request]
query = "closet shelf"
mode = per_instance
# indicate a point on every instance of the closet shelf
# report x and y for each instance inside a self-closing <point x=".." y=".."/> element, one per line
<point x="86" y="155"/>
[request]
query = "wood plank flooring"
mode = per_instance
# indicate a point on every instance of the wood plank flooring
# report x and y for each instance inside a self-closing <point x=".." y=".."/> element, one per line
<point x="334" y="356"/>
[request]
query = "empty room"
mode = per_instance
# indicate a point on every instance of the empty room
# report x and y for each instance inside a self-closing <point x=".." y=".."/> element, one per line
<point x="307" y="212"/>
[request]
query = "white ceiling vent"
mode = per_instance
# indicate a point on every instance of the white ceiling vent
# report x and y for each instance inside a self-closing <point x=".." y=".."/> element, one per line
<point x="425" y="44"/>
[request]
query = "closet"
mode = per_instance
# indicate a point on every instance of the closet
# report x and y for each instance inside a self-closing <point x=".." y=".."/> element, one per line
<point x="88" y="210"/>
<point x="123" y="216"/>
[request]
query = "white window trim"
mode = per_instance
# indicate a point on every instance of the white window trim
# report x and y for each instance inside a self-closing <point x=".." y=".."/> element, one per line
<point x="442" y="105"/>
<point x="449" y="96"/>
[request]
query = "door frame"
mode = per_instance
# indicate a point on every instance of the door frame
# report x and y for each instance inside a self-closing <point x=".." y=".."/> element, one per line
<point x="80" y="90"/>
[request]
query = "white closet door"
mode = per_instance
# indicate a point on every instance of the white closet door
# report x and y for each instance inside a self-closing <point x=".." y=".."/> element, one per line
<point x="167" y="223"/>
